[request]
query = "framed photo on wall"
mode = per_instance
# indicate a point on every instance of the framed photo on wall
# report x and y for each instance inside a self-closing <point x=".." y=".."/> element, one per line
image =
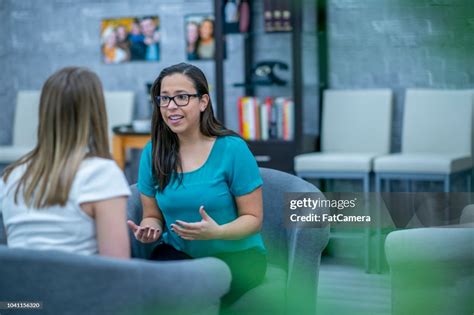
<point x="200" y="41"/>
<point x="129" y="39"/>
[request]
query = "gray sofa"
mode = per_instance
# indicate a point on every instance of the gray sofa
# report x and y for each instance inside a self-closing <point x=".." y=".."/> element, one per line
<point x="71" y="284"/>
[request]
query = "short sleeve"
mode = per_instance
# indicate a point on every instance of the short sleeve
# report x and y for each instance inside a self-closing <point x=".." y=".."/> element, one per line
<point x="244" y="175"/>
<point x="146" y="183"/>
<point x="101" y="179"/>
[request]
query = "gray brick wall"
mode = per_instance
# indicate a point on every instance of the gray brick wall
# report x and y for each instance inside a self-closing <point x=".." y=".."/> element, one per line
<point x="372" y="43"/>
<point x="401" y="44"/>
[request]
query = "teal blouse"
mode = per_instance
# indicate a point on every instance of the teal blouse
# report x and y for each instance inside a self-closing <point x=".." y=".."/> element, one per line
<point x="230" y="171"/>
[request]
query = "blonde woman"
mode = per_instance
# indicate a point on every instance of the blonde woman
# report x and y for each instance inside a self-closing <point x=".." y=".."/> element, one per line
<point x="67" y="194"/>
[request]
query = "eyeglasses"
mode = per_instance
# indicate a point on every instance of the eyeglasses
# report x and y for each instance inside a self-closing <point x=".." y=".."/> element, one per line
<point x="180" y="99"/>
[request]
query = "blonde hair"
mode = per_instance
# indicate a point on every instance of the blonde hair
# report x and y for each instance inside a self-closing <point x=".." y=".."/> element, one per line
<point x="72" y="126"/>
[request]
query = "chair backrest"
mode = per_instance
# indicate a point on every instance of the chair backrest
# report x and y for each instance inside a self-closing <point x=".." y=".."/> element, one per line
<point x="274" y="232"/>
<point x="119" y="106"/>
<point x="437" y="121"/>
<point x="25" y="123"/>
<point x="357" y="121"/>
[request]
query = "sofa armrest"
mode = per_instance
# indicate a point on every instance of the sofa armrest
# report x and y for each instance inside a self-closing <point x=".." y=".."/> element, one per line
<point x="75" y="284"/>
<point x="430" y="245"/>
<point x="431" y="270"/>
<point x="467" y="216"/>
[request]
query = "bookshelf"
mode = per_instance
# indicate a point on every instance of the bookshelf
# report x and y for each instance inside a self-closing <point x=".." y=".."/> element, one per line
<point x="276" y="152"/>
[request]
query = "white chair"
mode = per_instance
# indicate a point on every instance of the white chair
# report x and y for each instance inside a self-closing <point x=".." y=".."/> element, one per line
<point x="119" y="105"/>
<point x="436" y="140"/>
<point x="436" y="144"/>
<point x="356" y="127"/>
<point x="25" y="125"/>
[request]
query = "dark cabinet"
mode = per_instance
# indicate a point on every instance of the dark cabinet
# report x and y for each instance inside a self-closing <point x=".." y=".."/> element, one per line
<point x="284" y="52"/>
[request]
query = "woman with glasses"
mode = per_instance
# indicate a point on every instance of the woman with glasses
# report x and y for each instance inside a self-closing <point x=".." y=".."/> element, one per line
<point x="200" y="185"/>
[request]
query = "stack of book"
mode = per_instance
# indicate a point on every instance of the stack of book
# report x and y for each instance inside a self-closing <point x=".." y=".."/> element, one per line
<point x="271" y="119"/>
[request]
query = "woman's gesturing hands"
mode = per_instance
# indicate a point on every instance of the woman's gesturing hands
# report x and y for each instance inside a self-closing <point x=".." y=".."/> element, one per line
<point x="206" y="229"/>
<point x="145" y="233"/>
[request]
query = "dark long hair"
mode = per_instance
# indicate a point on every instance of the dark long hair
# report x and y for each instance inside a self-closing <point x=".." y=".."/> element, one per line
<point x="165" y="143"/>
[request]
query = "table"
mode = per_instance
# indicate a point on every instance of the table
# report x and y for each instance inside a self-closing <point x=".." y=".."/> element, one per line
<point x="126" y="137"/>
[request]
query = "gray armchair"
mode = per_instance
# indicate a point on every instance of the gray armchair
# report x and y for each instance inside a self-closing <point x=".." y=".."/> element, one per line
<point x="432" y="269"/>
<point x="74" y="284"/>
<point x="290" y="285"/>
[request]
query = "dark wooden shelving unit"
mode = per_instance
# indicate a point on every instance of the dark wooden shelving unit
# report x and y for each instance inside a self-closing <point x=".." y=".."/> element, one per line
<point x="277" y="154"/>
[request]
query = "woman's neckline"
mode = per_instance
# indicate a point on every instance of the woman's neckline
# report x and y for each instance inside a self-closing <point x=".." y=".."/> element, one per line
<point x="205" y="162"/>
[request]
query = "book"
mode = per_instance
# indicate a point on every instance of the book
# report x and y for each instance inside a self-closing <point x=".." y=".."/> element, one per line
<point x="256" y="107"/>
<point x="245" y="119"/>
<point x="240" y="112"/>
<point x="291" y="119"/>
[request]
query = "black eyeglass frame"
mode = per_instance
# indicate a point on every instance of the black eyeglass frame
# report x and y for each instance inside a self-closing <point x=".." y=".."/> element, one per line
<point x="171" y="98"/>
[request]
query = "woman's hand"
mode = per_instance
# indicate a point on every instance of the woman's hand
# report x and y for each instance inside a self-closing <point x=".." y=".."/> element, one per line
<point x="206" y="229"/>
<point x="145" y="233"/>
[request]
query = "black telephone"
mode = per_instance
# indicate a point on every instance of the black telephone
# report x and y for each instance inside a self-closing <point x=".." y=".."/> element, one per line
<point x="263" y="73"/>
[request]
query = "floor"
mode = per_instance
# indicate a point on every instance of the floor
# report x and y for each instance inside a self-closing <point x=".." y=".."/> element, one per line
<point x="345" y="288"/>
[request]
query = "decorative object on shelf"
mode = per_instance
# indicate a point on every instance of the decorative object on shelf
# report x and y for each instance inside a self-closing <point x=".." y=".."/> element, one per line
<point x="236" y="15"/>
<point x="244" y="21"/>
<point x="263" y="73"/>
<point x="277" y="16"/>
<point x="130" y="39"/>
<point x="200" y="42"/>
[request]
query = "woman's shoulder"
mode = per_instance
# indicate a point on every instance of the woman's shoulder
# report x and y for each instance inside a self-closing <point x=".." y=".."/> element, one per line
<point x="233" y="142"/>
<point x="97" y="164"/>
<point x="147" y="147"/>
<point x="232" y="139"/>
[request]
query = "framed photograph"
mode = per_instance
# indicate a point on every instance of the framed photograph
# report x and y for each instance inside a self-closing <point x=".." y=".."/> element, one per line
<point x="129" y="39"/>
<point x="200" y="42"/>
